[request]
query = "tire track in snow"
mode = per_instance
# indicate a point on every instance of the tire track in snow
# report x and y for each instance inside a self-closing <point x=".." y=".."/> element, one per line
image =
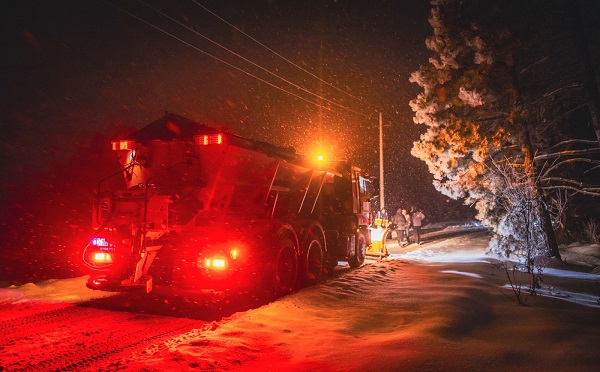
<point x="76" y="338"/>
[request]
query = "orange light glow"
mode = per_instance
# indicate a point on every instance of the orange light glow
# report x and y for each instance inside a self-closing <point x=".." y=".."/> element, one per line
<point x="102" y="257"/>
<point x="233" y="254"/>
<point x="322" y="150"/>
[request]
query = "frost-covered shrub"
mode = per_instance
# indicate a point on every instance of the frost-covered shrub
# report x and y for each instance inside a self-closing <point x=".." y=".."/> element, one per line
<point x="519" y="235"/>
<point x="591" y="231"/>
<point x="519" y="232"/>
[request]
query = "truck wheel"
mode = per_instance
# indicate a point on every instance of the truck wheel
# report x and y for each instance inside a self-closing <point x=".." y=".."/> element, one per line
<point x="284" y="269"/>
<point x="312" y="261"/>
<point x="361" y="251"/>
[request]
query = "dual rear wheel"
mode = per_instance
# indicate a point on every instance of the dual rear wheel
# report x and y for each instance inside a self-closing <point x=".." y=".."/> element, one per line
<point x="290" y="269"/>
<point x="309" y="268"/>
<point x="360" y="251"/>
<point x="284" y="270"/>
<point x="313" y="260"/>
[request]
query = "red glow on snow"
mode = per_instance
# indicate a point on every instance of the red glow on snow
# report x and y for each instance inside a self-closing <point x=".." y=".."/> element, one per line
<point x="173" y="127"/>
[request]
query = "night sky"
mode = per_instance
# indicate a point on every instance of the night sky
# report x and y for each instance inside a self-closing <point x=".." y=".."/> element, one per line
<point x="73" y="69"/>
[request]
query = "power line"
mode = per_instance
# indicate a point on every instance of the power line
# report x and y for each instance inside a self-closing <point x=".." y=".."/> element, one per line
<point x="235" y="67"/>
<point x="249" y="61"/>
<point x="281" y="56"/>
<point x="208" y="54"/>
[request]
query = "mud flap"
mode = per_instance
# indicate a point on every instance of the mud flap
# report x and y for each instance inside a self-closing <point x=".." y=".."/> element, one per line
<point x="148" y="283"/>
<point x="142" y="266"/>
<point x="351" y="243"/>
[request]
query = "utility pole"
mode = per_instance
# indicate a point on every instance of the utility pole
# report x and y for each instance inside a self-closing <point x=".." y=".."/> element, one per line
<point x="381" y="198"/>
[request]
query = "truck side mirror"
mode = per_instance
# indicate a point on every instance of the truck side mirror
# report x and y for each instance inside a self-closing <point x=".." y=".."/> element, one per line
<point x="376" y="184"/>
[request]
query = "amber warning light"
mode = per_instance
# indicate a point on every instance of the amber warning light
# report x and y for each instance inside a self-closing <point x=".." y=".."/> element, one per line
<point x="220" y="262"/>
<point x="209" y="139"/>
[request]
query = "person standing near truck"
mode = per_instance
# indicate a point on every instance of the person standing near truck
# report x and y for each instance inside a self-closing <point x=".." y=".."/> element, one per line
<point x="401" y="232"/>
<point x="408" y="224"/>
<point x="417" y="221"/>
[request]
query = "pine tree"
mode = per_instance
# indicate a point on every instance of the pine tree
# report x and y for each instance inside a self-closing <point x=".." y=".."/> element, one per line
<point x="473" y="107"/>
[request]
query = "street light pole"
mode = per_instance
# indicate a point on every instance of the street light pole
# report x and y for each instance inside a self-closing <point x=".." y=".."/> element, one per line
<point x="381" y="195"/>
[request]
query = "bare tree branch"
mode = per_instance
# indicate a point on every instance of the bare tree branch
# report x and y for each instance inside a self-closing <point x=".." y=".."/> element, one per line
<point x="574" y="141"/>
<point x="567" y="153"/>
<point x="592" y="191"/>
<point x="562" y="179"/>
<point x="568" y="161"/>
<point x="556" y="91"/>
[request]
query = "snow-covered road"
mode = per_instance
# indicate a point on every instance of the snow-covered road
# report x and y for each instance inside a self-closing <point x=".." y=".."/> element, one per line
<point x="439" y="306"/>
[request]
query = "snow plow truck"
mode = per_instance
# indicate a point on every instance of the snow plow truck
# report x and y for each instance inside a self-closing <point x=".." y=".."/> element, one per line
<point x="197" y="208"/>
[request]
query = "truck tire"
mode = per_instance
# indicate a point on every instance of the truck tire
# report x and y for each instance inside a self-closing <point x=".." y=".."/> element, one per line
<point x="361" y="251"/>
<point x="312" y="260"/>
<point x="283" y="271"/>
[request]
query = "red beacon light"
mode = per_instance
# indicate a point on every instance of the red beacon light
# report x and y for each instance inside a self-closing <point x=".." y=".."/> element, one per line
<point x="123" y="145"/>
<point x="209" y="139"/>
